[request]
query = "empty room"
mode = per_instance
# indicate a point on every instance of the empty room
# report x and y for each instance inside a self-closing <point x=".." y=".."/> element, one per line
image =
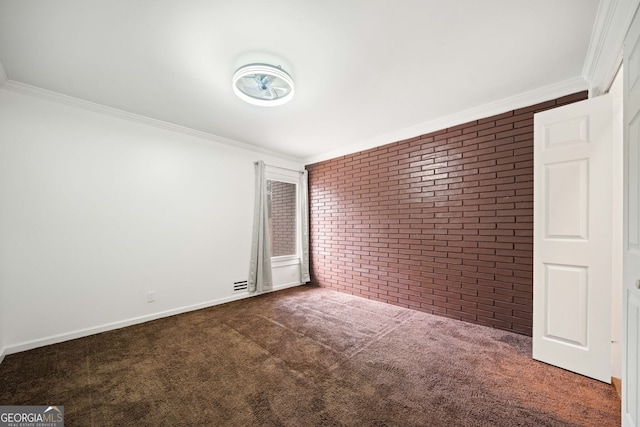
<point x="337" y="213"/>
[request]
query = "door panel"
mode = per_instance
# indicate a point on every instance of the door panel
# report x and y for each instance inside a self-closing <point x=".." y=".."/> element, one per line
<point x="633" y="159"/>
<point x="567" y="194"/>
<point x="567" y="304"/>
<point x="572" y="231"/>
<point x="568" y="132"/>
<point x="631" y="378"/>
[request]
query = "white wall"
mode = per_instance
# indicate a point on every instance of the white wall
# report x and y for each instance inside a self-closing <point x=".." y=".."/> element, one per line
<point x="96" y="210"/>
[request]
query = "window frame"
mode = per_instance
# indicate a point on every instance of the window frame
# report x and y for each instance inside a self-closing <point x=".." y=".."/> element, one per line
<point x="290" y="177"/>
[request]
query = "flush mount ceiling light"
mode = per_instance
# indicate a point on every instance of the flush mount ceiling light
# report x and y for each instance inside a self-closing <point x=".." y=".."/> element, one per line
<point x="263" y="84"/>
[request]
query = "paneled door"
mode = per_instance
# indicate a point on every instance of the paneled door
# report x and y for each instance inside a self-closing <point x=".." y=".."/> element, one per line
<point x="631" y="230"/>
<point x="572" y="237"/>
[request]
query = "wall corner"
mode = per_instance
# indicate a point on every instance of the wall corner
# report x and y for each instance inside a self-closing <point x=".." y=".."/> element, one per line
<point x="3" y="75"/>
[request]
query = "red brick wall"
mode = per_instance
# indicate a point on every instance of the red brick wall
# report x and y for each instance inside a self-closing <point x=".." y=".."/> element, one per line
<point x="441" y="223"/>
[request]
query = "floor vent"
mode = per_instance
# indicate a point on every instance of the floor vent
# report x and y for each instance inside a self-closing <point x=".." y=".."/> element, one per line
<point x="240" y="286"/>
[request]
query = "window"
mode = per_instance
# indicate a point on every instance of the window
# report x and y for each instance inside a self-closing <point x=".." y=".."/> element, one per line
<point x="281" y="201"/>
<point x="282" y="205"/>
<point x="288" y="230"/>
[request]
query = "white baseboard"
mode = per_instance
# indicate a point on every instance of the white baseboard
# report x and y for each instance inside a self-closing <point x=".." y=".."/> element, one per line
<point x="2" y="354"/>
<point x="286" y="285"/>
<point x="55" y="339"/>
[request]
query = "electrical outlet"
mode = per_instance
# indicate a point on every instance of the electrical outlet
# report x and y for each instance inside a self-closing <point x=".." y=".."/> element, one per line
<point x="151" y="296"/>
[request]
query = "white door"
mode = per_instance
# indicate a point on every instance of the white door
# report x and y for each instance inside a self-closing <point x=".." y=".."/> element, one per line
<point x="631" y="243"/>
<point x="572" y="237"/>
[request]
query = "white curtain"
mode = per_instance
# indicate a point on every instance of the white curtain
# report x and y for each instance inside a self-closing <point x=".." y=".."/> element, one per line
<point x="260" y="279"/>
<point x="304" y="224"/>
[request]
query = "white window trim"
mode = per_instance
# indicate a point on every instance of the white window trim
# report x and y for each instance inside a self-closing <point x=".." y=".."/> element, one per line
<point x="291" y="177"/>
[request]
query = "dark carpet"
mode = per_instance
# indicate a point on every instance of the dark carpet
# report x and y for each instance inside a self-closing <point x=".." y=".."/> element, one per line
<point x="305" y="356"/>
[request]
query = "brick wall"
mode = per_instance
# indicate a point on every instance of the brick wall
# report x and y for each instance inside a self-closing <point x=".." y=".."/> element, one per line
<point x="283" y="218"/>
<point x="441" y="223"/>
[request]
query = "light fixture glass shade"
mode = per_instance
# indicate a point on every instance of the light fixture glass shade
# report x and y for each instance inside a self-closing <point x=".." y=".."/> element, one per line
<point x="263" y="84"/>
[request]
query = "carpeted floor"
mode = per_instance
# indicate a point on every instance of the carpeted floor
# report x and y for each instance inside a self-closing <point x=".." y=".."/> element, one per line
<point x="305" y="356"/>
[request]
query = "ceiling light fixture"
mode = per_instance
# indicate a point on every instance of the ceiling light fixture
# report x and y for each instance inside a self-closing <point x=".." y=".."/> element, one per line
<point x="263" y="84"/>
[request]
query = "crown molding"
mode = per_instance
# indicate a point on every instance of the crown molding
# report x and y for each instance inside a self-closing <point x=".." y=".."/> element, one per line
<point x="522" y="100"/>
<point x="137" y="118"/>
<point x="604" y="55"/>
<point x="601" y="27"/>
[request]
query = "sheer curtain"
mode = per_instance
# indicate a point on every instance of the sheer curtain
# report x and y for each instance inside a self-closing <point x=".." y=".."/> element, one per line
<point x="260" y="278"/>
<point x="304" y="225"/>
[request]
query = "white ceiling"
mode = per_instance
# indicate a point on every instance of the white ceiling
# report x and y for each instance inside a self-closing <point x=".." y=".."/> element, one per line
<point x="366" y="72"/>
